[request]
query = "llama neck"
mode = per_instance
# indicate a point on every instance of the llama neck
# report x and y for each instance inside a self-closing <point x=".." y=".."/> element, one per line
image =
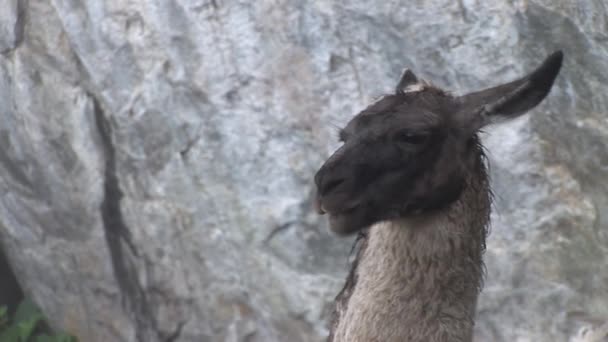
<point x="417" y="279"/>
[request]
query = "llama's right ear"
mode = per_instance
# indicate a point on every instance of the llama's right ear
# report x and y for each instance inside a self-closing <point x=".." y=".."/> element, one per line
<point x="407" y="80"/>
<point x="511" y="99"/>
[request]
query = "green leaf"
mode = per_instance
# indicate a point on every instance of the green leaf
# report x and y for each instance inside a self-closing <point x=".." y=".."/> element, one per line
<point x="26" y="311"/>
<point x="61" y="337"/>
<point x="26" y="328"/>
<point x="3" y="316"/>
<point x="11" y="334"/>
<point x="45" y="338"/>
<point x="25" y="323"/>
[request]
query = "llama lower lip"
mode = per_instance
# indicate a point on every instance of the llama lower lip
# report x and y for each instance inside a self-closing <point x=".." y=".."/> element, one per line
<point x="328" y="205"/>
<point x="345" y="222"/>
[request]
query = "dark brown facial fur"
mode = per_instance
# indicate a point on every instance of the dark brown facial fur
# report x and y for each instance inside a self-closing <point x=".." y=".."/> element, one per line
<point x="409" y="153"/>
<point x="400" y="156"/>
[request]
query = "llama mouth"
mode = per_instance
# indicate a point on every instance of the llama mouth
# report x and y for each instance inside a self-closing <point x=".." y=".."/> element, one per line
<point x="324" y="208"/>
<point x="344" y="212"/>
<point x="340" y="213"/>
<point x="347" y="214"/>
<point x="348" y="221"/>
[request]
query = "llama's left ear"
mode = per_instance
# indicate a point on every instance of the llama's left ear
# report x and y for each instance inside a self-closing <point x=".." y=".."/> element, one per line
<point x="511" y="99"/>
<point x="407" y="80"/>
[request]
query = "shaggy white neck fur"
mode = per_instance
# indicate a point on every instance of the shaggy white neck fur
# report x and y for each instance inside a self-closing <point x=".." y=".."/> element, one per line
<point x="417" y="280"/>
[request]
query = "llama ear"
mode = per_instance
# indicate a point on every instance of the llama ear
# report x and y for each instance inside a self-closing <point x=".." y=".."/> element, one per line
<point x="407" y="80"/>
<point x="512" y="99"/>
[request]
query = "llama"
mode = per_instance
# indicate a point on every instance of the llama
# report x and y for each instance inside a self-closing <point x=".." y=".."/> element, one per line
<point x="411" y="178"/>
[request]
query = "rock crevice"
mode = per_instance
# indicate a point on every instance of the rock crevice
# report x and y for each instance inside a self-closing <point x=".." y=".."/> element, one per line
<point x="118" y="238"/>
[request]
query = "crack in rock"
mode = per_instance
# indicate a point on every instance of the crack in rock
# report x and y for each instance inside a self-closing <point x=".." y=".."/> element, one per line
<point x="18" y="28"/>
<point x="20" y="23"/>
<point x="118" y="237"/>
<point x="176" y="333"/>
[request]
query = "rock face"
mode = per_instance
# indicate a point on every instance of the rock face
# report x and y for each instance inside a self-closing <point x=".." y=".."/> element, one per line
<point x="157" y="158"/>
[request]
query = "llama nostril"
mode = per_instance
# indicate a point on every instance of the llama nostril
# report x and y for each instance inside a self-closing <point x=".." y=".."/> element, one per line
<point x="331" y="185"/>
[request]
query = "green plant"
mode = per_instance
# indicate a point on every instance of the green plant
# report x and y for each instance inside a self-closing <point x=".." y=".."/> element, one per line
<point x="27" y="325"/>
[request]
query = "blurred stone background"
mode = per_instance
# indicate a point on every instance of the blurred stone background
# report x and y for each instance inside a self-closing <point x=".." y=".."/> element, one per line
<point x="157" y="157"/>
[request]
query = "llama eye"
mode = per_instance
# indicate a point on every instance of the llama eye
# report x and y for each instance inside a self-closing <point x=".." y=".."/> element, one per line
<point x="413" y="138"/>
<point x="472" y="142"/>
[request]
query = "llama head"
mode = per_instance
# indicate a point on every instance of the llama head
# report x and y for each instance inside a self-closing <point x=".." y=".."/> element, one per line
<point x="410" y="153"/>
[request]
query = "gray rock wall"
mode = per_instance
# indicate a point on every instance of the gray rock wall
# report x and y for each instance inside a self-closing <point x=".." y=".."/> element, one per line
<point x="157" y="156"/>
